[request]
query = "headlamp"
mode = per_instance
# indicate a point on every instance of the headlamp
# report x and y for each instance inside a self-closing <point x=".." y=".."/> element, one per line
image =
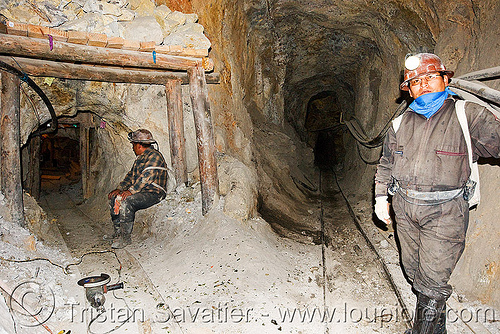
<point x="412" y="62"/>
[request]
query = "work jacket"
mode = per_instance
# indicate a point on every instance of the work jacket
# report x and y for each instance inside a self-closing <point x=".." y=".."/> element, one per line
<point x="149" y="174"/>
<point x="431" y="154"/>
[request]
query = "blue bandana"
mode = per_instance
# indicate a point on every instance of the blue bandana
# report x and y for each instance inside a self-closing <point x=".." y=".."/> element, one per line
<point x="428" y="104"/>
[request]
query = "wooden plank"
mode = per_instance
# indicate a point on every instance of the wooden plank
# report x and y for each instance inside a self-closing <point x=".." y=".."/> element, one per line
<point x="147" y="46"/>
<point x="78" y="37"/>
<point x="96" y="39"/>
<point x="175" y="49"/>
<point x="115" y="42"/>
<point x="204" y="138"/>
<point x="58" y="35"/>
<point x="10" y="150"/>
<point x="131" y="45"/>
<point x="165" y="49"/>
<point x="37" y="31"/>
<point x="47" y="68"/>
<point x="16" y="28"/>
<point x="36" y="48"/>
<point x="176" y="130"/>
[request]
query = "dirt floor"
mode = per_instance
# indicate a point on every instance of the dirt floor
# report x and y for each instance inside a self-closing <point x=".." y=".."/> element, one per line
<point x="213" y="274"/>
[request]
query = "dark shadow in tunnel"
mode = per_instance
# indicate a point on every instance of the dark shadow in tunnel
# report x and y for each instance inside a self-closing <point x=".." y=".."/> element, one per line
<point x="60" y="158"/>
<point x="51" y="162"/>
<point x="329" y="151"/>
<point x="325" y="131"/>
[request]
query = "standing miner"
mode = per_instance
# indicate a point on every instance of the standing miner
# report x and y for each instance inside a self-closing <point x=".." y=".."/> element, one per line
<point x="425" y="166"/>
<point x="143" y="186"/>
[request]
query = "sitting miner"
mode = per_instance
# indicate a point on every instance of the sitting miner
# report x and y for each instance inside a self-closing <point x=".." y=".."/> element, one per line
<point x="143" y="186"/>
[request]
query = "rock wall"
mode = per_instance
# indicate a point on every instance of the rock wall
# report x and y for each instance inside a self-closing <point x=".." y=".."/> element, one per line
<point x="274" y="55"/>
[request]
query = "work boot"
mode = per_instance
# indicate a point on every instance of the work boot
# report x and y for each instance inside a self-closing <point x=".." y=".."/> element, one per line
<point x="427" y="314"/>
<point x="109" y="237"/>
<point x="441" y="324"/>
<point x="116" y="232"/>
<point x="122" y="242"/>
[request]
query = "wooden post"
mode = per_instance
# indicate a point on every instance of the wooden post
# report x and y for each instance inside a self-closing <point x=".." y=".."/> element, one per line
<point x="33" y="180"/>
<point x="204" y="138"/>
<point x="10" y="136"/>
<point x="85" y="155"/>
<point x="176" y="130"/>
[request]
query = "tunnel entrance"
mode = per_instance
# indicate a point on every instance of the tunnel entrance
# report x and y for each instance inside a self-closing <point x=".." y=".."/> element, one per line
<point x="324" y="128"/>
<point x="62" y="159"/>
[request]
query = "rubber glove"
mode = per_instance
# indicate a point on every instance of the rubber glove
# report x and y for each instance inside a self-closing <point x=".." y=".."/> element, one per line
<point x="382" y="209"/>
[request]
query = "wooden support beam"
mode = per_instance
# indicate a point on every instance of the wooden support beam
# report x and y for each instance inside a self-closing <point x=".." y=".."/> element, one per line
<point x="10" y="150"/>
<point x="34" y="177"/>
<point x="176" y="130"/>
<point x="204" y="138"/>
<point x="47" y="68"/>
<point x="85" y="155"/>
<point x="39" y="48"/>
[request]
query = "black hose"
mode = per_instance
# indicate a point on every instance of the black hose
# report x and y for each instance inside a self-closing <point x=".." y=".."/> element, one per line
<point x="478" y="89"/>
<point x="358" y="133"/>
<point x="24" y="77"/>
<point x="489" y="73"/>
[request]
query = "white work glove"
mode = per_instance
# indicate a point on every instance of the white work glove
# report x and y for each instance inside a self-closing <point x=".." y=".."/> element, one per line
<point x="382" y="209"/>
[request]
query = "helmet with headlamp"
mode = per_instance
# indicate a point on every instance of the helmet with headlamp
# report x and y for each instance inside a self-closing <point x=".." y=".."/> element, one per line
<point x="420" y="64"/>
<point x="141" y="136"/>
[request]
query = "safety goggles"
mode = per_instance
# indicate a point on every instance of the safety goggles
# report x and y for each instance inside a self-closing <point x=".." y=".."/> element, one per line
<point x="424" y="78"/>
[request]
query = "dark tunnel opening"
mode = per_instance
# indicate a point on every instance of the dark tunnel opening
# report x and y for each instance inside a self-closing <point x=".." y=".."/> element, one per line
<point x="52" y="161"/>
<point x="325" y="130"/>
<point x="60" y="158"/>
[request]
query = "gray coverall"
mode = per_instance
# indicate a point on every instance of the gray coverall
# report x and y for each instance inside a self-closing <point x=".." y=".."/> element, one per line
<point x="430" y="155"/>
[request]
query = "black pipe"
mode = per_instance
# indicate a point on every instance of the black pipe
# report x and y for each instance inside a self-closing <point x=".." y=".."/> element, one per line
<point x="488" y="73"/>
<point x="477" y="89"/>
<point x="24" y="77"/>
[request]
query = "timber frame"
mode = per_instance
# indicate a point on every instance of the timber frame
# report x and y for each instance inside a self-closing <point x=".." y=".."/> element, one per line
<point x="93" y="63"/>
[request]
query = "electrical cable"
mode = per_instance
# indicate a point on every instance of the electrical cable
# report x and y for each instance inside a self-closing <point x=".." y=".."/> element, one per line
<point x="32" y="105"/>
<point x="118" y="280"/>
<point x="359" y="134"/>
<point x="24" y="77"/>
<point x="65" y="268"/>
<point x="11" y="298"/>
<point x="374" y="162"/>
<point x="35" y="259"/>
<point x="66" y="271"/>
<point x="116" y="327"/>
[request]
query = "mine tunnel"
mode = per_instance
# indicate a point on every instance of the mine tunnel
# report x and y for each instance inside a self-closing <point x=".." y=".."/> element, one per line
<point x="270" y="117"/>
